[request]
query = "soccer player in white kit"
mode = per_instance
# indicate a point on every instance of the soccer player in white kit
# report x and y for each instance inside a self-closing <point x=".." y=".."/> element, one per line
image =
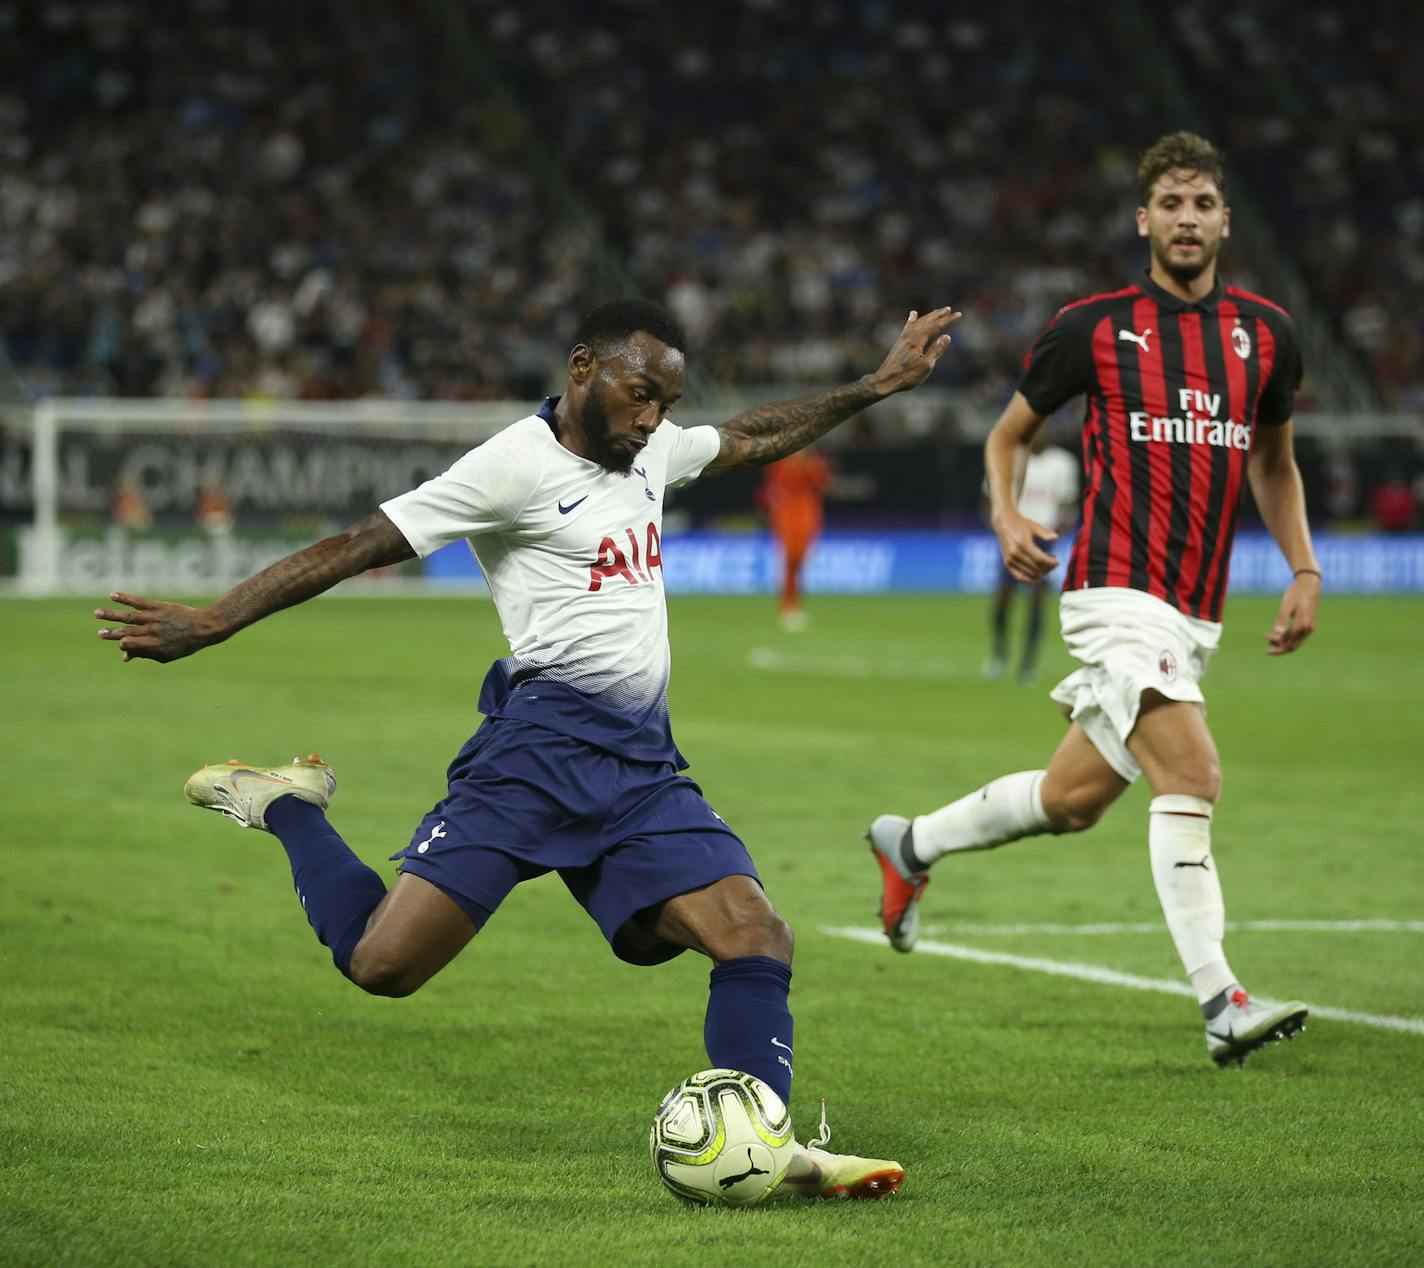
<point x="1047" y="494"/>
<point x="574" y="769"/>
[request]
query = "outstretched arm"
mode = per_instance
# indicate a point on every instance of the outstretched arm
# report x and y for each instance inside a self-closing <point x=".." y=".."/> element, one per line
<point x="170" y="631"/>
<point x="769" y="432"/>
<point x="1280" y="497"/>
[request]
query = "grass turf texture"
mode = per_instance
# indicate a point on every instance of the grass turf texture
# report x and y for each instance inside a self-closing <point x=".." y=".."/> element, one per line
<point x="184" y="1078"/>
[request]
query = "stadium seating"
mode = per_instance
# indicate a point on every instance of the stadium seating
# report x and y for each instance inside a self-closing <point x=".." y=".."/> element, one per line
<point x="299" y="202"/>
<point x="1328" y="127"/>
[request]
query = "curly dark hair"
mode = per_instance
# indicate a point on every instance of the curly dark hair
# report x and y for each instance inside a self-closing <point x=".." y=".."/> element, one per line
<point x="1179" y="150"/>
<point x="610" y="324"/>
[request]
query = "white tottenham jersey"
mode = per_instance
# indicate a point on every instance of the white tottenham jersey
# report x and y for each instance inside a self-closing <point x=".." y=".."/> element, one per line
<point x="1050" y="487"/>
<point x="573" y="557"/>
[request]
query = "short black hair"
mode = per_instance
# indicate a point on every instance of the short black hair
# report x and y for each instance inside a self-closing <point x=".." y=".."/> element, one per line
<point x="610" y="324"/>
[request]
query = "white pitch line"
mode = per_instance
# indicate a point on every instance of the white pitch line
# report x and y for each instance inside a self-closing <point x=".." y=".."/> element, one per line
<point x="1111" y="977"/>
<point x="1232" y="926"/>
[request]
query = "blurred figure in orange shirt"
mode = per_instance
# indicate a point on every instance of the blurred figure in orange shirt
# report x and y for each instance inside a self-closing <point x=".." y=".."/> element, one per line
<point x="129" y="508"/>
<point x="791" y="494"/>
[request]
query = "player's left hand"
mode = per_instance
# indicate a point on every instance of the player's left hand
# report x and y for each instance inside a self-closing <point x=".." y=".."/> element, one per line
<point x="921" y="344"/>
<point x="1295" y="622"/>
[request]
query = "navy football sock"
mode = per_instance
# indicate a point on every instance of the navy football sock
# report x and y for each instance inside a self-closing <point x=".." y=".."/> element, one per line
<point x="338" y="891"/>
<point x="748" y="1022"/>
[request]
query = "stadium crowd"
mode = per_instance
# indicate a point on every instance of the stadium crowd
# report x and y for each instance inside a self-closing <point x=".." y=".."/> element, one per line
<point x="1329" y="126"/>
<point x="254" y="198"/>
<point x="303" y="200"/>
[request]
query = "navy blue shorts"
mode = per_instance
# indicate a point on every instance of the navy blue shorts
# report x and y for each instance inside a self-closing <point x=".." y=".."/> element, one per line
<point x="622" y="835"/>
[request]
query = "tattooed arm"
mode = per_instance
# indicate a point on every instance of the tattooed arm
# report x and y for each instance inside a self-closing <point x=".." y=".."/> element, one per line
<point x="769" y="432"/>
<point x="169" y="631"/>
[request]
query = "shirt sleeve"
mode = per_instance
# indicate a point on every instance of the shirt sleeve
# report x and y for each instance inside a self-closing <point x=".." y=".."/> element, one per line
<point x="1276" y="404"/>
<point x="1058" y="366"/>
<point x="483" y="492"/>
<point x="690" y="449"/>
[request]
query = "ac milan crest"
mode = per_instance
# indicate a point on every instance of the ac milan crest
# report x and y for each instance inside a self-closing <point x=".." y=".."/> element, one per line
<point x="1240" y="342"/>
<point x="1167" y="666"/>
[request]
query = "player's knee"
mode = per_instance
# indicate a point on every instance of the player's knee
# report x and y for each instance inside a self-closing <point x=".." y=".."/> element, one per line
<point x="758" y="932"/>
<point x="780" y="941"/>
<point x="1073" y="809"/>
<point x="378" y="974"/>
<point x="1201" y="779"/>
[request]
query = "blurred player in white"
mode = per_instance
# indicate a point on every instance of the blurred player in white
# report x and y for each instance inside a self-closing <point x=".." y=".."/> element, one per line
<point x="574" y="769"/>
<point x="1047" y="495"/>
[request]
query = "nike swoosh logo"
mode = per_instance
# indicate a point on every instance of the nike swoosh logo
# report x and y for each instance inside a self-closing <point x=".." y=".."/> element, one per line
<point x="779" y="1044"/>
<point x="265" y="779"/>
<point x="564" y="510"/>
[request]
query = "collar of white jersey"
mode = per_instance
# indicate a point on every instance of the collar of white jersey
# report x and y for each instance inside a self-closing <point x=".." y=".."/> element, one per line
<point x="546" y="412"/>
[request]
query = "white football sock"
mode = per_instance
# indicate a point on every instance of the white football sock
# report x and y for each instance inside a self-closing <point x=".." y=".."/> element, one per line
<point x="1001" y="811"/>
<point x="1184" y="871"/>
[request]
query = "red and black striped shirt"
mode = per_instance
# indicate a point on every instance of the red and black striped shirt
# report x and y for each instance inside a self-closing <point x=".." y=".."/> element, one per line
<point x="1174" y="393"/>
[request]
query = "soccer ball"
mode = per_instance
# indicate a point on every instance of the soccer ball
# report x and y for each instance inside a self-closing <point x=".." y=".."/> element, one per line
<point x="722" y="1138"/>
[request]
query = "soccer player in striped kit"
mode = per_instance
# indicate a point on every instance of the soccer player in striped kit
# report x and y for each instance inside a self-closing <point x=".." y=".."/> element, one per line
<point x="1190" y="387"/>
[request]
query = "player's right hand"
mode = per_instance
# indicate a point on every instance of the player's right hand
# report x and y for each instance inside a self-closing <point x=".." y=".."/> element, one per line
<point x="1019" y="541"/>
<point x="153" y="630"/>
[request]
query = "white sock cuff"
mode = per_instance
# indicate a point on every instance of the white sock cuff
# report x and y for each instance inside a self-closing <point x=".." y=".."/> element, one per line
<point x="1035" y="798"/>
<point x="1180" y="804"/>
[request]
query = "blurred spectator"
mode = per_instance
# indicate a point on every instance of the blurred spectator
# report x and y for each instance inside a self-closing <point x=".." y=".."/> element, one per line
<point x="792" y="493"/>
<point x="1342" y="485"/>
<point x="1393" y="504"/>
<point x="213" y="510"/>
<point x="128" y="508"/>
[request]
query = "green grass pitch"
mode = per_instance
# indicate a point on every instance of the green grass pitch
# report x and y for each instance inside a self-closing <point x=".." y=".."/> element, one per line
<point x="184" y="1079"/>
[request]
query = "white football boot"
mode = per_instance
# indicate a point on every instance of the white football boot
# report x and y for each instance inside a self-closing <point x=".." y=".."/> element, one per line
<point x="900" y="888"/>
<point x="1246" y="1024"/>
<point x="244" y="793"/>
<point x="815" y="1172"/>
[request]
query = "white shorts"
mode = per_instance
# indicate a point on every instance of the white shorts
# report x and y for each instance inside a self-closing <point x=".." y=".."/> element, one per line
<point x="1129" y="642"/>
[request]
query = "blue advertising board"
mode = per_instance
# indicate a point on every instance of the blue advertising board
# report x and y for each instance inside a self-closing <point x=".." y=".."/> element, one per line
<point x="968" y="563"/>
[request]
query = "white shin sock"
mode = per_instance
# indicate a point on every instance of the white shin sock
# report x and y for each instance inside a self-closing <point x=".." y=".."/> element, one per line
<point x="1184" y="871"/>
<point x="1001" y="811"/>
